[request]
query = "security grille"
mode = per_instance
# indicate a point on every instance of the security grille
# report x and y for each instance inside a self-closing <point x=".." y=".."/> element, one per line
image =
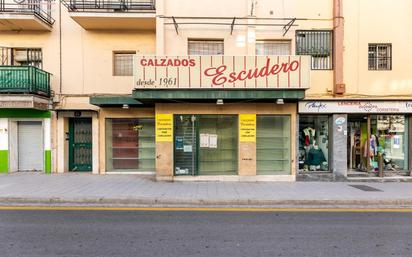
<point x="318" y="44"/>
<point x="123" y="64"/>
<point x="205" y="47"/>
<point x="380" y="57"/>
<point x="273" y="47"/>
<point x="21" y="57"/>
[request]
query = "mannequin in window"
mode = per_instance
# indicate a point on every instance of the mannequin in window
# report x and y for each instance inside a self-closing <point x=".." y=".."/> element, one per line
<point x="309" y="135"/>
<point x="315" y="157"/>
<point x="373" y="148"/>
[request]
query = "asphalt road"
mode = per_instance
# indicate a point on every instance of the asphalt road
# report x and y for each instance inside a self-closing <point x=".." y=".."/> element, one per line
<point x="148" y="233"/>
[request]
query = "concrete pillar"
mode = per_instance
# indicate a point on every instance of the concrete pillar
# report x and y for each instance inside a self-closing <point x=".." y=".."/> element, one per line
<point x="410" y="146"/>
<point x="164" y="146"/>
<point x="339" y="145"/>
<point x="247" y="145"/>
<point x="61" y="145"/>
<point x="95" y="144"/>
<point x="47" y="145"/>
<point x="53" y="131"/>
<point x="13" y="146"/>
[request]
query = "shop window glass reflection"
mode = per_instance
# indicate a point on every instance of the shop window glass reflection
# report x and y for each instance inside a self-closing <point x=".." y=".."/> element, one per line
<point x="389" y="137"/>
<point x="130" y="145"/>
<point x="313" y="143"/>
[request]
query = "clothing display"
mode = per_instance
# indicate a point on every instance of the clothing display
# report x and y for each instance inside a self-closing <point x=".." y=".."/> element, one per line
<point x="315" y="157"/>
<point x="373" y="147"/>
<point x="309" y="135"/>
<point x="385" y="137"/>
<point x="314" y="143"/>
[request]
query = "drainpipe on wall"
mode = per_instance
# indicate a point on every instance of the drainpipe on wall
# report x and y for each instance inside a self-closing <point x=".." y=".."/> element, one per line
<point x="339" y="87"/>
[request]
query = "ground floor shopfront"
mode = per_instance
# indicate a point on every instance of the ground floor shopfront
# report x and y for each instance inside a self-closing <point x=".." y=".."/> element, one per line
<point x="181" y="141"/>
<point x="355" y="137"/>
<point x="25" y="140"/>
<point x="176" y="141"/>
<point x="234" y="142"/>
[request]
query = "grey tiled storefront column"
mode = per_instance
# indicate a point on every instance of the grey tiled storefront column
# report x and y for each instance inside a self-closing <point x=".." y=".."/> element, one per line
<point x="339" y="144"/>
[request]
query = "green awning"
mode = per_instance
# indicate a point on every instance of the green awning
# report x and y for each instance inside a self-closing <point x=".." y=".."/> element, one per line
<point x="203" y="94"/>
<point x="114" y="100"/>
<point x="24" y="113"/>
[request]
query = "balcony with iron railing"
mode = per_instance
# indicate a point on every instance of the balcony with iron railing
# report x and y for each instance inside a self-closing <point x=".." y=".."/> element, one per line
<point x="113" y="14"/>
<point x="110" y="5"/>
<point x="26" y="15"/>
<point x="24" y="80"/>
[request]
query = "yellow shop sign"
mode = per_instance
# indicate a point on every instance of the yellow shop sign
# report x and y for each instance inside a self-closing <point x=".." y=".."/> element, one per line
<point x="164" y="127"/>
<point x="247" y="127"/>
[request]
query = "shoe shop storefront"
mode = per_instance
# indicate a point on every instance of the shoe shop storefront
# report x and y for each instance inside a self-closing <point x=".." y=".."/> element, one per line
<point x="355" y="137"/>
<point x="218" y="117"/>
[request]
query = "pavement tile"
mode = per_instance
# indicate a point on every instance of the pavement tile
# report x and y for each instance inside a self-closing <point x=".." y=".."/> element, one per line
<point x="87" y="186"/>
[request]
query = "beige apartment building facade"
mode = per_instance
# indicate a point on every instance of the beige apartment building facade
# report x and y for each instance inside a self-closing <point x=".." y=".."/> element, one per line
<point x="206" y="90"/>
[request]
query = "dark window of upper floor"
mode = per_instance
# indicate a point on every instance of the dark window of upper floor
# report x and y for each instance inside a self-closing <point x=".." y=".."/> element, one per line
<point x="380" y="57"/>
<point x="123" y="63"/>
<point x="205" y="47"/>
<point x="273" y="47"/>
<point x="21" y="57"/>
<point x="319" y="45"/>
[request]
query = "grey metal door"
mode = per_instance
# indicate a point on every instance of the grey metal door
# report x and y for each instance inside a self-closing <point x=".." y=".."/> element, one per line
<point x="30" y="146"/>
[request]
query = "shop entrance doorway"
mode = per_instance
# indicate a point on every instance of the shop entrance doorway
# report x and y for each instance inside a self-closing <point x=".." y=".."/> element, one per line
<point x="205" y="145"/>
<point x="185" y="145"/>
<point x="80" y="144"/>
<point x="357" y="143"/>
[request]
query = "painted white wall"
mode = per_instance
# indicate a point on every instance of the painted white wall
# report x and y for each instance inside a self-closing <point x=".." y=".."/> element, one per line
<point x="4" y="135"/>
<point x="47" y="133"/>
<point x="95" y="146"/>
<point x="14" y="146"/>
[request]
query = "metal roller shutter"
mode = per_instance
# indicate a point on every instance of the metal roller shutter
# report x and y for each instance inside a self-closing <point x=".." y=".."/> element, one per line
<point x="30" y="146"/>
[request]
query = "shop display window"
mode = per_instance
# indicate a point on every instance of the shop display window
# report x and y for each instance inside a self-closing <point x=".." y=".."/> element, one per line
<point x="388" y="141"/>
<point x="390" y="138"/>
<point x="219" y="155"/>
<point x="130" y="144"/>
<point x="273" y="145"/>
<point x="314" y="143"/>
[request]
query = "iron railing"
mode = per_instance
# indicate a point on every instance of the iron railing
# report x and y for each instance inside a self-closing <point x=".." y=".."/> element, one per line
<point x="319" y="45"/>
<point x="24" y="79"/>
<point x="109" y="5"/>
<point x="39" y="8"/>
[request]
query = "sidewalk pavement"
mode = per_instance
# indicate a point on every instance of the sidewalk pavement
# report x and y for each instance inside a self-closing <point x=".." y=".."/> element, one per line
<point x="143" y="191"/>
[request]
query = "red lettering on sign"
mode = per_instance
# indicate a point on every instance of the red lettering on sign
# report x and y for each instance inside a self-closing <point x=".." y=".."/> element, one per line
<point x="163" y="62"/>
<point x="220" y="77"/>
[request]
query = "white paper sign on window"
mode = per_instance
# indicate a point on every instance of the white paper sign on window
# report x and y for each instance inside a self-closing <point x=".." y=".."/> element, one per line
<point x="213" y="141"/>
<point x="204" y="140"/>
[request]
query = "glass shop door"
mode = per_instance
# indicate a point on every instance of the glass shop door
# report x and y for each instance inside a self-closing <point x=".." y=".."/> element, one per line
<point x="185" y="145"/>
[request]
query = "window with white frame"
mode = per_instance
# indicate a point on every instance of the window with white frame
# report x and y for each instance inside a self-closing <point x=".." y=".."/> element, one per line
<point x="380" y="56"/>
<point x="205" y="47"/>
<point x="273" y="47"/>
<point x="318" y="44"/>
<point x="123" y="63"/>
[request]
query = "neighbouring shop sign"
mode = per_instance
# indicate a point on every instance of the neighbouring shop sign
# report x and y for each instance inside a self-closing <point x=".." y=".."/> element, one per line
<point x="218" y="72"/>
<point x="164" y="127"/>
<point x="247" y="127"/>
<point x="355" y="106"/>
